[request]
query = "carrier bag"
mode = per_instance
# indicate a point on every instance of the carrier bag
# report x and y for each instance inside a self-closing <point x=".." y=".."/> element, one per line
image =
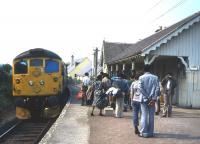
<point x="79" y="95"/>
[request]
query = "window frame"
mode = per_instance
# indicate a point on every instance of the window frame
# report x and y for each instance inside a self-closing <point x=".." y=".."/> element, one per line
<point x="53" y="60"/>
<point x="42" y="60"/>
<point x="27" y="66"/>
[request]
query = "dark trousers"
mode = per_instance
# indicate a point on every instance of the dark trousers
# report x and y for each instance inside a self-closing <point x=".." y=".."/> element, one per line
<point x="167" y="109"/>
<point x="84" y="99"/>
<point x="136" y="110"/>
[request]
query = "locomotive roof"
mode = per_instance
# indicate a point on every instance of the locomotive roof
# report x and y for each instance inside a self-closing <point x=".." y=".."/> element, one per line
<point x="37" y="52"/>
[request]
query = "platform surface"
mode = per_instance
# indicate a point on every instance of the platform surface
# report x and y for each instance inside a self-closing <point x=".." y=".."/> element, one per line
<point x="76" y="126"/>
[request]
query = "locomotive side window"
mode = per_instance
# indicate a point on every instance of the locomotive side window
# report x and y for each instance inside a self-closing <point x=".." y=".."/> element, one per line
<point x="36" y="62"/>
<point x="51" y="66"/>
<point x="21" y="67"/>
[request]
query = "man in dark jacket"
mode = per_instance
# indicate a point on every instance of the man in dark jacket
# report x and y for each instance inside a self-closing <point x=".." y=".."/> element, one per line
<point x="119" y="83"/>
<point x="168" y="84"/>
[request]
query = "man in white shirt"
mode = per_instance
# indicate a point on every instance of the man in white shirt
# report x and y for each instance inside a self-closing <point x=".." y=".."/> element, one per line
<point x="85" y="84"/>
<point x="136" y="99"/>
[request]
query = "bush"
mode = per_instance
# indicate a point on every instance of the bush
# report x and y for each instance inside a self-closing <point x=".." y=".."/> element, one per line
<point x="74" y="80"/>
<point x="6" y="99"/>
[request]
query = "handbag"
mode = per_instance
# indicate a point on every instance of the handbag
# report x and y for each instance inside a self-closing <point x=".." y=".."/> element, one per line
<point x="90" y="93"/>
<point x="79" y="95"/>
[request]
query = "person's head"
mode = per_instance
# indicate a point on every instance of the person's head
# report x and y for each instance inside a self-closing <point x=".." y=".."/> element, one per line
<point x="99" y="77"/>
<point x="147" y="68"/>
<point x="133" y="72"/>
<point x="86" y="74"/>
<point x="105" y="75"/>
<point x="169" y="75"/>
<point x="132" y="76"/>
<point x="137" y="75"/>
<point x="102" y="73"/>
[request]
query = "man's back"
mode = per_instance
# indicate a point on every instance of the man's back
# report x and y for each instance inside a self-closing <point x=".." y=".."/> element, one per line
<point x="86" y="80"/>
<point x="149" y="86"/>
<point x="118" y="82"/>
<point x="106" y="82"/>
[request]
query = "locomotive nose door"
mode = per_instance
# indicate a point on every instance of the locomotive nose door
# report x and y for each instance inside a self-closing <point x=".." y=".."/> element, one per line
<point x="35" y="75"/>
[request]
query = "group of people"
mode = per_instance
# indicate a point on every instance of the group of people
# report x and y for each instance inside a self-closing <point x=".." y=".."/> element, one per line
<point x="94" y="92"/>
<point x="105" y="91"/>
<point x="141" y="93"/>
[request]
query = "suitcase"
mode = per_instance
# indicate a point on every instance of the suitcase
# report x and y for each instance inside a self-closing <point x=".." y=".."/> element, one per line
<point x="108" y="111"/>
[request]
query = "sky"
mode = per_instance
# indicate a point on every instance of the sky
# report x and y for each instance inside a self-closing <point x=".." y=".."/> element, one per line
<point x="77" y="27"/>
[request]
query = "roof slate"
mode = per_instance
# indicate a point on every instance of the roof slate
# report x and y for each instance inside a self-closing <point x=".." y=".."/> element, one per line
<point x="112" y="50"/>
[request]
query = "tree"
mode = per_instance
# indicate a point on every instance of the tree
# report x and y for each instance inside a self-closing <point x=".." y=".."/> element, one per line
<point x="7" y="68"/>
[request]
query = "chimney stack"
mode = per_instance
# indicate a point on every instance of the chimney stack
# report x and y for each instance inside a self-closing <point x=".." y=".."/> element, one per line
<point x="159" y="29"/>
<point x="72" y="60"/>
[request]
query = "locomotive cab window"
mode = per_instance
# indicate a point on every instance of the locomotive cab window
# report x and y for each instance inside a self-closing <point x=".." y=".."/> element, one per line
<point x="51" y="66"/>
<point x="21" y="67"/>
<point x="36" y="62"/>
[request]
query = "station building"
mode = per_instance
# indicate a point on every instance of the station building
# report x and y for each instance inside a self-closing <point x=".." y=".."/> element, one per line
<point x="174" y="49"/>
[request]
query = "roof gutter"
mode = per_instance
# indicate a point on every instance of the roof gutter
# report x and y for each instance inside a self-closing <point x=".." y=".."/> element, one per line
<point x="136" y="55"/>
<point x="169" y="36"/>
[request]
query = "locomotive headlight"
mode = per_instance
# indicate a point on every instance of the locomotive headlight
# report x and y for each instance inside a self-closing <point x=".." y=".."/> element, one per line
<point x="30" y="83"/>
<point x="41" y="82"/>
<point x="55" y="79"/>
<point x="17" y="81"/>
<point x="55" y="90"/>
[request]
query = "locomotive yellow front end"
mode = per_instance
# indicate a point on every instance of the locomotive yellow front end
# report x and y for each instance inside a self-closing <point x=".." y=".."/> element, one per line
<point x="37" y="85"/>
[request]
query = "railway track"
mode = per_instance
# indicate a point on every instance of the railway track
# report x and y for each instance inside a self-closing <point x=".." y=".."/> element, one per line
<point x="28" y="132"/>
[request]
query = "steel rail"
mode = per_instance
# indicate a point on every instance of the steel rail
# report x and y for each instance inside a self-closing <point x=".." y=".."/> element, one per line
<point x="10" y="129"/>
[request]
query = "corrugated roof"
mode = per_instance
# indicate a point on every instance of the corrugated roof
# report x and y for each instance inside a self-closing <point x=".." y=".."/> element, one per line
<point x="144" y="44"/>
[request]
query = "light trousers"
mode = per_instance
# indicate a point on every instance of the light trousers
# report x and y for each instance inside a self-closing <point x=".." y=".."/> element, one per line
<point x="119" y="106"/>
<point x="147" y="120"/>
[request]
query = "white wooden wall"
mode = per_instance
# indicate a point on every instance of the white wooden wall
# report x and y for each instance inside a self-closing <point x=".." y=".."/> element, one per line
<point x="186" y="44"/>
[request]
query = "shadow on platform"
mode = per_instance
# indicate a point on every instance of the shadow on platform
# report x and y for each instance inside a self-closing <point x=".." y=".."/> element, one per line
<point x="176" y="136"/>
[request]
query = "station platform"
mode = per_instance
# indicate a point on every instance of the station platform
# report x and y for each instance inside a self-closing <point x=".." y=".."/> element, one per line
<point x="76" y="126"/>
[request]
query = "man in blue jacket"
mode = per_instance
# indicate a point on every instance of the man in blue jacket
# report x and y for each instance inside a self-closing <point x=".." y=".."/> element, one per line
<point x="119" y="83"/>
<point x="149" y="91"/>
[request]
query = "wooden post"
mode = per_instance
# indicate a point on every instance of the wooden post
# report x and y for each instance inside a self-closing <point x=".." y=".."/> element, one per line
<point x="124" y="67"/>
<point x="133" y="66"/>
<point x="117" y="67"/>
